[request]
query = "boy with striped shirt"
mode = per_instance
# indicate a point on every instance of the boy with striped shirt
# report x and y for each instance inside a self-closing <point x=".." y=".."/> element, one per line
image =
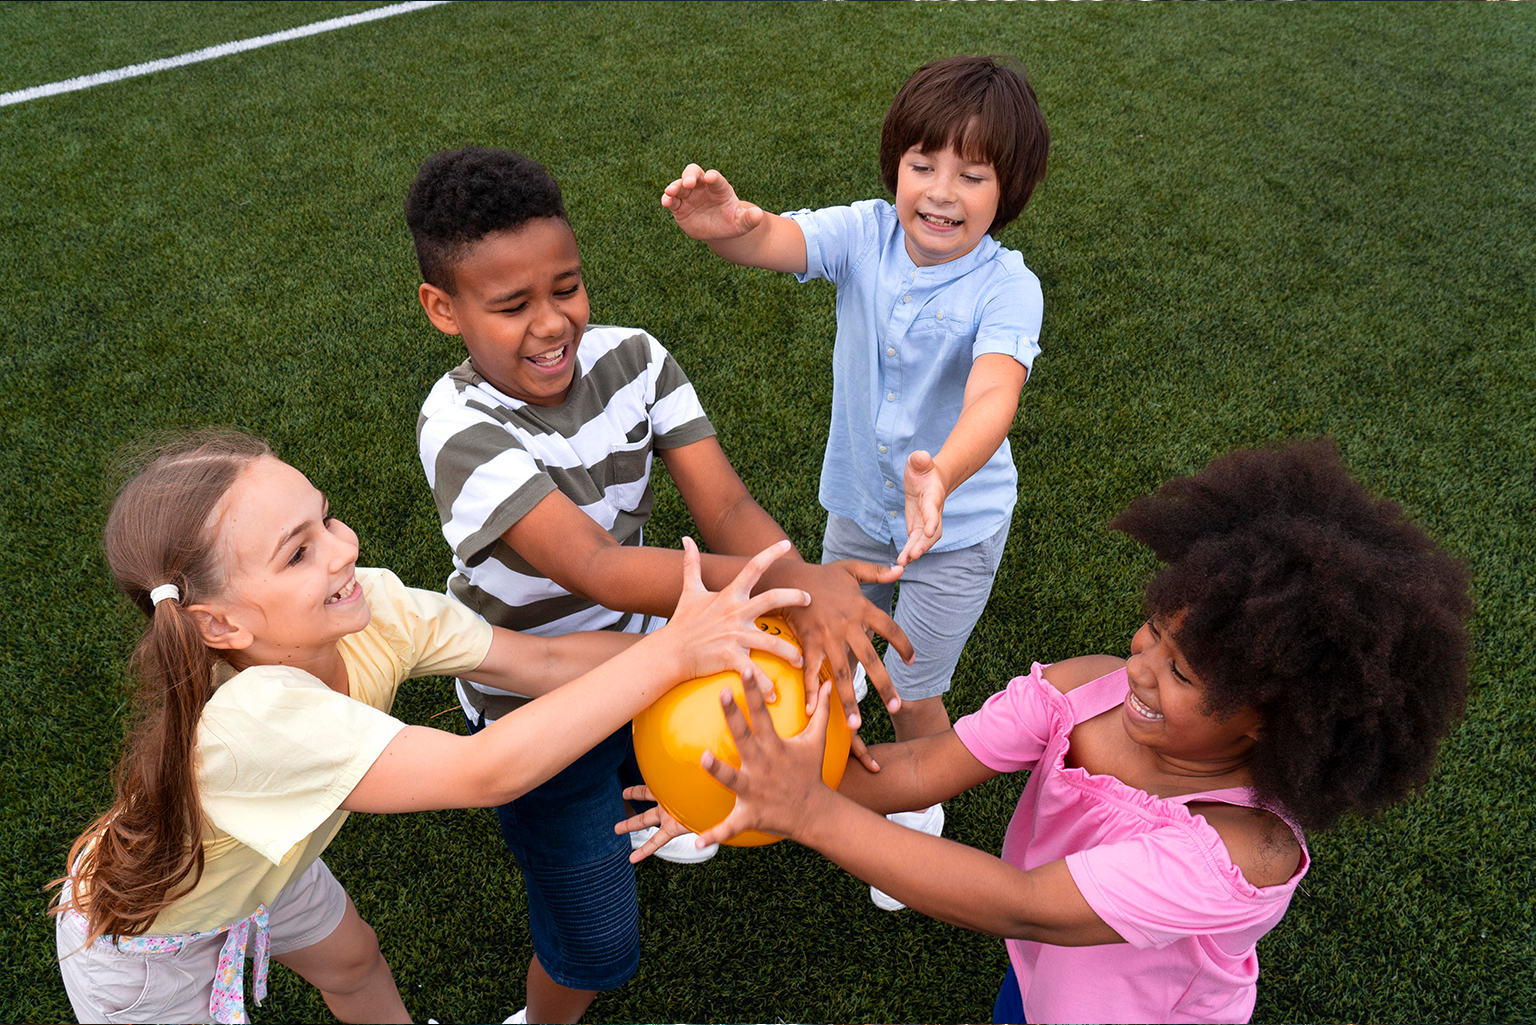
<point x="538" y="450"/>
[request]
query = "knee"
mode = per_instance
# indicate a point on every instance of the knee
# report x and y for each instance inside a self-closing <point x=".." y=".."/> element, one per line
<point x="360" y="959"/>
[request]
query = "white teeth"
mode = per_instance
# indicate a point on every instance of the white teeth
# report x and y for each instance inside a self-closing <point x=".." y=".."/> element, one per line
<point x="1143" y="709"/>
<point x="548" y="359"/>
<point x="345" y="592"/>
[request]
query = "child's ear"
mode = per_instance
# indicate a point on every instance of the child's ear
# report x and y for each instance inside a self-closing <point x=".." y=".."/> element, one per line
<point x="218" y="630"/>
<point x="439" y="306"/>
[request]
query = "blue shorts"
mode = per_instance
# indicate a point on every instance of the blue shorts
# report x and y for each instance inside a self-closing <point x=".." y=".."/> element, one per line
<point x="583" y="912"/>
<point x="1009" y="1008"/>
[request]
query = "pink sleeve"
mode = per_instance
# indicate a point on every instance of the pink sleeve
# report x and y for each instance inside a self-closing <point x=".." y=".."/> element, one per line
<point x="1171" y="882"/>
<point x="1010" y="730"/>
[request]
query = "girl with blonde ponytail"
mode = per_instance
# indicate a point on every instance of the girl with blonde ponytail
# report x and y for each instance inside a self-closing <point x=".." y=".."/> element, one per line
<point x="265" y="676"/>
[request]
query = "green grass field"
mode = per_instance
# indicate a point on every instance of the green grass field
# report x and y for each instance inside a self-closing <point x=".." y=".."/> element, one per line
<point x="1261" y="222"/>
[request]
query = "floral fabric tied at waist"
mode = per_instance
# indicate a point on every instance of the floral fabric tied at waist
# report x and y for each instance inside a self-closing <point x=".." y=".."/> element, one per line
<point x="226" y="1003"/>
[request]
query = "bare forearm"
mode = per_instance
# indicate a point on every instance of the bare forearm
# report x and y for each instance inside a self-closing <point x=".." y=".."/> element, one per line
<point x="526" y="748"/>
<point x="525" y="664"/>
<point x="645" y="580"/>
<point x="898" y="786"/>
<point x="743" y="528"/>
<point x="775" y="244"/>
<point x="425" y="768"/>
<point x="981" y="429"/>
<point x="913" y="774"/>
<point x="947" y="880"/>
<point x="570" y="655"/>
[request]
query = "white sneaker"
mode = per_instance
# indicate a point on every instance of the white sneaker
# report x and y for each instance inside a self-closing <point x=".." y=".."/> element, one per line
<point x="931" y="821"/>
<point x="679" y="850"/>
<point x="518" y="1018"/>
<point x="860" y="683"/>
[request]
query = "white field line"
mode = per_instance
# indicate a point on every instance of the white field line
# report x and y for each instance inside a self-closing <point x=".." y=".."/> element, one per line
<point x="209" y="53"/>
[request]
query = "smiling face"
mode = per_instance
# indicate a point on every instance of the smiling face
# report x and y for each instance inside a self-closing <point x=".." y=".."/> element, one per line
<point x="290" y="585"/>
<point x="945" y="203"/>
<point x="1165" y="710"/>
<point x="520" y="306"/>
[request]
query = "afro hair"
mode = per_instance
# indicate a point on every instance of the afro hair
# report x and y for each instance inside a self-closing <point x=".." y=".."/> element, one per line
<point x="1300" y="595"/>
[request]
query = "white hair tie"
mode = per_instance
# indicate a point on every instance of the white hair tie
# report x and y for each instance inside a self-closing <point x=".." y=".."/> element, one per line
<point x="163" y="592"/>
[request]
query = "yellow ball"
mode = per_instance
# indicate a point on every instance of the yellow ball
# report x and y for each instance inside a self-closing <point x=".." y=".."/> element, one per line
<point x="672" y="734"/>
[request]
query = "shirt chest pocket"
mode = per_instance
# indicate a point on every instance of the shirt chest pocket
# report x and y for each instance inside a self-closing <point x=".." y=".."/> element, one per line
<point x="629" y="444"/>
<point x="626" y="466"/>
<point x="628" y="460"/>
<point x="933" y="327"/>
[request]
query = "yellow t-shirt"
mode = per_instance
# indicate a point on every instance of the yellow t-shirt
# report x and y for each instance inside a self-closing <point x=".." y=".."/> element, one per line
<point x="279" y="751"/>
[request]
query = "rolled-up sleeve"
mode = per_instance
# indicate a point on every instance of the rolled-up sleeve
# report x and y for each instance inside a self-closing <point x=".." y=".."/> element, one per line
<point x="1011" y="316"/>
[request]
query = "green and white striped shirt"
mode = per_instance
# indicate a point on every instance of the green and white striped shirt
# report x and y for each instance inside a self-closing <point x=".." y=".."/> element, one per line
<point x="490" y="458"/>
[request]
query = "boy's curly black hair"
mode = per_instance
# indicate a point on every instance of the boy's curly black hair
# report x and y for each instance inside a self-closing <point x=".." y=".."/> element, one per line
<point x="462" y="195"/>
<point x="1300" y="595"/>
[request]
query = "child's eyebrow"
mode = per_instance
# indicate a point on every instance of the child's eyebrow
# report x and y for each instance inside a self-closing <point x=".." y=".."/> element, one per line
<point x="507" y="297"/>
<point x="293" y="532"/>
<point x="574" y="272"/>
<point x="289" y="535"/>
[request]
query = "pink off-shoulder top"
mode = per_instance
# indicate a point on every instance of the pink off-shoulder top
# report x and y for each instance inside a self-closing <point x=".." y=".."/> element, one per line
<point x="1159" y="875"/>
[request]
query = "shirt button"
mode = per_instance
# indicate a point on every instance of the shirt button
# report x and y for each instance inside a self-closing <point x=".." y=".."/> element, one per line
<point x="890" y="396"/>
<point x="889" y="484"/>
<point x="883" y="450"/>
<point x="892" y="515"/>
<point x="891" y="351"/>
<point x="941" y="314"/>
<point x="906" y="298"/>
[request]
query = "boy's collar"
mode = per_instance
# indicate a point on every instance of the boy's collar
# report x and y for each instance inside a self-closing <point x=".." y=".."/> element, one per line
<point x="939" y="273"/>
<point x="470" y="377"/>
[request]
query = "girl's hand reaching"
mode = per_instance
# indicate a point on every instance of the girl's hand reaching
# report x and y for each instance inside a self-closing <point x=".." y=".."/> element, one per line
<point x="707" y="208"/>
<point x="715" y="632"/>
<point x="778" y="787"/>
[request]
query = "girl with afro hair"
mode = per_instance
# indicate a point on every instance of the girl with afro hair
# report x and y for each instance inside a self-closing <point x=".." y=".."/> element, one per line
<point x="1303" y="655"/>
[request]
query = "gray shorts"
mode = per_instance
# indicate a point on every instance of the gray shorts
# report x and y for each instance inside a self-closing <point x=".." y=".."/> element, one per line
<point x="108" y="985"/>
<point x="942" y="596"/>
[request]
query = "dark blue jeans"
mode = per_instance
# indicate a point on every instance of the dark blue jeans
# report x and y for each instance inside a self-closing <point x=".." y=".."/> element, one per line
<point x="583" y="912"/>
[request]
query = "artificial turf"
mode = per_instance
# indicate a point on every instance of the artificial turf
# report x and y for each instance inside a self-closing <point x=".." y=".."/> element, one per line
<point x="1261" y="222"/>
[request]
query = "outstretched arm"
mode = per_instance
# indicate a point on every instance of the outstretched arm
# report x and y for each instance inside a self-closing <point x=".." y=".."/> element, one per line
<point x="707" y="208"/>
<point x="531" y="665"/>
<point x="887" y="777"/>
<point x="991" y="400"/>
<point x="914" y="774"/>
<point x="779" y="790"/>
<point x="424" y="768"/>
<point x="839" y="619"/>
<point x="567" y="546"/>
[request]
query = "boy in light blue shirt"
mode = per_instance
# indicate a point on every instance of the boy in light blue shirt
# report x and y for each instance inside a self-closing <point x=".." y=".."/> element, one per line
<point x="937" y="327"/>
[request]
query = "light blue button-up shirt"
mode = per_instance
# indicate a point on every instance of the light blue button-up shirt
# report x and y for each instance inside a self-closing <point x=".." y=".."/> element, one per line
<point x="906" y="339"/>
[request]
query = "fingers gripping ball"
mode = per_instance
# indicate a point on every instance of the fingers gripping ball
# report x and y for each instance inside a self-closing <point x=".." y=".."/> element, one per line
<point x="672" y="734"/>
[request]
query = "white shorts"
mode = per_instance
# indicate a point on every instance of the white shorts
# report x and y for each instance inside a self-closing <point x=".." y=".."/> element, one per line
<point x="109" y="985"/>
